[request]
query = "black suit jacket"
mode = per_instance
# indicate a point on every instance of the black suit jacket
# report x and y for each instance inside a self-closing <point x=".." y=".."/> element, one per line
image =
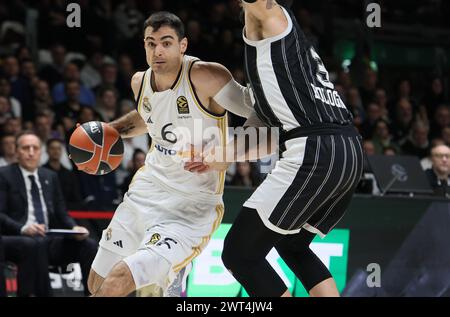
<point x="14" y="202"/>
<point x="440" y="188"/>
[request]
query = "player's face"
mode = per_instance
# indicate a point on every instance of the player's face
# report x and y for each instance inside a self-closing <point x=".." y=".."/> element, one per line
<point x="164" y="50"/>
<point x="29" y="152"/>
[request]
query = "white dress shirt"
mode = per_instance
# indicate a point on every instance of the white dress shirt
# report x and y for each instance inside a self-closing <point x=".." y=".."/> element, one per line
<point x="31" y="217"/>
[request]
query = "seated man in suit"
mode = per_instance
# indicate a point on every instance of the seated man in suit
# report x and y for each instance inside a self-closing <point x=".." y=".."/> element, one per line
<point x="439" y="173"/>
<point x="30" y="203"/>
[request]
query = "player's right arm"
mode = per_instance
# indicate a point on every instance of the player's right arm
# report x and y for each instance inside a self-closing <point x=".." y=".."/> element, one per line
<point x="131" y="124"/>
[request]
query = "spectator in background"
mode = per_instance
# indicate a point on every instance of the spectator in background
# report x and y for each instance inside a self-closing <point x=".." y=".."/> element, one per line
<point x="72" y="74"/>
<point x="53" y="73"/>
<point x="107" y="105"/>
<point x="23" y="53"/>
<point x="446" y="135"/>
<point x="417" y="143"/>
<point x="68" y="179"/>
<point x="5" y="110"/>
<point x="12" y="126"/>
<point x="305" y="21"/>
<point x="99" y="192"/>
<point x="90" y="74"/>
<point x="126" y="71"/>
<point x="43" y="129"/>
<point x="5" y="91"/>
<point x="108" y="75"/>
<point x="368" y="184"/>
<point x="20" y="87"/>
<point x="356" y="107"/>
<point x="382" y="138"/>
<point x="389" y="151"/>
<point x="403" y="120"/>
<point x="438" y="174"/>
<point x="88" y="114"/>
<point x="136" y="163"/>
<point x="7" y="150"/>
<point x="42" y="100"/>
<point x="382" y="102"/>
<point x="72" y="107"/>
<point x="441" y="120"/>
<point x="434" y="96"/>
<point x="128" y="20"/>
<point x="345" y="80"/>
<point x="369" y="147"/>
<point x="426" y="162"/>
<point x="368" y="89"/>
<point x="244" y="176"/>
<point x="403" y="92"/>
<point x="197" y="40"/>
<point x="28" y="71"/>
<point x="373" y="115"/>
<point x="100" y="25"/>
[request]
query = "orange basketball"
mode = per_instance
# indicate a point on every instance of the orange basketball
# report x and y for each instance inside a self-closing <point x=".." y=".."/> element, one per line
<point x="96" y="148"/>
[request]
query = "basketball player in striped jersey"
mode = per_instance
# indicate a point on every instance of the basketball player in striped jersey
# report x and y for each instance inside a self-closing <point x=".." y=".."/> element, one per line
<point x="168" y="214"/>
<point x="320" y="165"/>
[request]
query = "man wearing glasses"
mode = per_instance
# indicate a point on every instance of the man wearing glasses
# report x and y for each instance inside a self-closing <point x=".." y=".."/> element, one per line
<point x="438" y="174"/>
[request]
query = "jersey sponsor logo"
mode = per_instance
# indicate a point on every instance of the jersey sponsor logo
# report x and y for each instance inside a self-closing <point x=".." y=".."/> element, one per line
<point x="146" y="104"/>
<point x="182" y="105"/>
<point x="164" y="150"/>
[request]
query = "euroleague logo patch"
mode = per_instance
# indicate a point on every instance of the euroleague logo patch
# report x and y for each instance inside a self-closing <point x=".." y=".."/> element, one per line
<point x="182" y="105"/>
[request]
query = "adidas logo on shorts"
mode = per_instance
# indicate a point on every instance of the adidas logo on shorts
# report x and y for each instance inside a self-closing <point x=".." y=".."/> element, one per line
<point x="118" y="243"/>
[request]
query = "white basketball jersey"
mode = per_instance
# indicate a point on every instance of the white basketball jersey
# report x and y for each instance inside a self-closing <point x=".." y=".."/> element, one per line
<point x="175" y="119"/>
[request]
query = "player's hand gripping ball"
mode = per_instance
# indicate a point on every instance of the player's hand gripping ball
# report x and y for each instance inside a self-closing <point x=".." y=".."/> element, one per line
<point x="96" y="148"/>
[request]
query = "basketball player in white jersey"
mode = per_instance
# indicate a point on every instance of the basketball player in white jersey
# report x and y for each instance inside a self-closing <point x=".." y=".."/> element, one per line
<point x="168" y="214"/>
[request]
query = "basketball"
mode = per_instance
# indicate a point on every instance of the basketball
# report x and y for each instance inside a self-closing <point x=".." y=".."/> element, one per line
<point x="96" y="148"/>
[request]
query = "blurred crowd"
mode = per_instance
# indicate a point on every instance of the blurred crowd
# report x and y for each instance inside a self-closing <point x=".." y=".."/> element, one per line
<point x="75" y="75"/>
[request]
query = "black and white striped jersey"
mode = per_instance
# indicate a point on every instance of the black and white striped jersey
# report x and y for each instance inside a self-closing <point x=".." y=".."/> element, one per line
<point x="290" y="84"/>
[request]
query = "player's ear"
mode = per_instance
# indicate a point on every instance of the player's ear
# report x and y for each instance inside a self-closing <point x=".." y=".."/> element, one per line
<point x="184" y="45"/>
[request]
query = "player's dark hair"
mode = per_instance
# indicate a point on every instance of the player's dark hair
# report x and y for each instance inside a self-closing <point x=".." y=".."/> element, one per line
<point x="164" y="18"/>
